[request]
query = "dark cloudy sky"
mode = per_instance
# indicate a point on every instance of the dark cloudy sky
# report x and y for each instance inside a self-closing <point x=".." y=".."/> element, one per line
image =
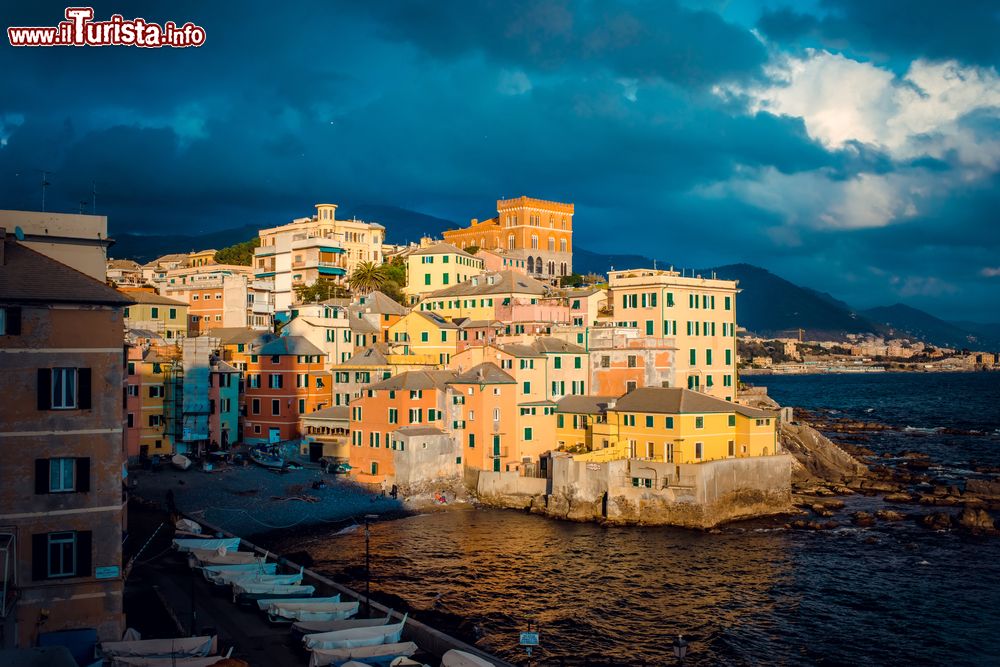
<point x="848" y="145"/>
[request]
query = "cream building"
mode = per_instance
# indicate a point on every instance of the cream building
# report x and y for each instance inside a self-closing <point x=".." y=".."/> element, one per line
<point x="307" y="249"/>
<point x="79" y="241"/>
<point x="436" y="266"/>
<point x="217" y="295"/>
<point x="698" y="313"/>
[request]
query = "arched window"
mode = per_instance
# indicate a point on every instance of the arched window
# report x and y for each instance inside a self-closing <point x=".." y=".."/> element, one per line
<point x="552" y="268"/>
<point x="538" y="265"/>
<point x="562" y="245"/>
<point x="552" y="244"/>
<point x="564" y="222"/>
<point x="562" y="269"/>
<point x="534" y="242"/>
<point x="531" y="264"/>
<point x="510" y="242"/>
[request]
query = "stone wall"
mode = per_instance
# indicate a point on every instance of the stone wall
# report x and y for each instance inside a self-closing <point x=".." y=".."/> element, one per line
<point x="642" y="492"/>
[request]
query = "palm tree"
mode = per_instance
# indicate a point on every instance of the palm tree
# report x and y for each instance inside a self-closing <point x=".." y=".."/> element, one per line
<point x="367" y="278"/>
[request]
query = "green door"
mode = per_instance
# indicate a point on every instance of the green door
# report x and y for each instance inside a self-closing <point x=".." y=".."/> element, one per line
<point x="496" y="453"/>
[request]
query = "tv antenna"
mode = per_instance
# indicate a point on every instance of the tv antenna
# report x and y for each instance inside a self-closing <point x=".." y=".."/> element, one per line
<point x="45" y="184"/>
<point x="93" y="197"/>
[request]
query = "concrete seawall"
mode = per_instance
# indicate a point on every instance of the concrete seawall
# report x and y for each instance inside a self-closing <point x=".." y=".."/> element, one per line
<point x="640" y="492"/>
<point x="431" y="640"/>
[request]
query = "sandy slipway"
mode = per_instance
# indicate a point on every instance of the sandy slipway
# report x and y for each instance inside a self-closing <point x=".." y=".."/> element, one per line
<point x="252" y="501"/>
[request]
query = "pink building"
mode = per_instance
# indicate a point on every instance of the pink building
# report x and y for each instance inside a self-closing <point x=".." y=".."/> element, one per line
<point x="554" y="311"/>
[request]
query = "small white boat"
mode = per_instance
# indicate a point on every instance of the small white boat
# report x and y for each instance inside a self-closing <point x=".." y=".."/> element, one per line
<point x="180" y="461"/>
<point x="356" y="637"/>
<point x="208" y="557"/>
<point x="456" y="658"/>
<point x="315" y="627"/>
<point x="221" y="575"/>
<point x="366" y="654"/>
<point x="182" y="647"/>
<point x="247" y="592"/>
<point x="265" y="603"/>
<point x="257" y="578"/>
<point x="210" y="544"/>
<point x="307" y="611"/>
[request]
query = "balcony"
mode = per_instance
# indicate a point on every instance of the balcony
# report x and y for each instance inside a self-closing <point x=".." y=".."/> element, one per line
<point x="262" y="308"/>
<point x="498" y="453"/>
<point x="262" y="285"/>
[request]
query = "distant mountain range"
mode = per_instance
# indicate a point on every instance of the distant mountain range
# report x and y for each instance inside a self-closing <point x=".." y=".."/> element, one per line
<point x="768" y="305"/>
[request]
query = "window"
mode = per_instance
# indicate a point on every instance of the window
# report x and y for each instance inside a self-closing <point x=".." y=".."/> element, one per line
<point x="393" y="416"/>
<point x="728" y="303"/>
<point x="274" y="381"/>
<point x="10" y="321"/>
<point x="302" y="406"/>
<point x="605" y="361"/>
<point x="708" y="357"/>
<point x="255" y="406"/>
<point x="173" y="313"/>
<point x="699" y="422"/>
<point x="732" y="420"/>
<point x="374" y="467"/>
<point x="424" y="336"/>
<point x="472" y="440"/>
<point x="275" y="406"/>
<point x="155" y="312"/>
<point x="558" y="362"/>
<point x="670" y="452"/>
<point x="649" y="421"/>
<point x="527" y="387"/>
<point x="65" y="554"/>
<point x="130" y="420"/>
<point x="631" y="361"/>
<point x="668" y="422"/>
<point x="577" y="362"/>
<point x="62" y="475"/>
<point x="63" y="388"/>
<point x="729" y="357"/>
<point x="527" y="433"/>
<point x="732" y="448"/>
<point x="697" y="450"/>
<point x="693" y="357"/>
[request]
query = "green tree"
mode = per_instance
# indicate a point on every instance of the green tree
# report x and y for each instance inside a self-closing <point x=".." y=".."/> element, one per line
<point x="472" y="249"/>
<point x="367" y="278"/>
<point x="240" y="253"/>
<point x="570" y="280"/>
<point x="395" y="270"/>
<point x="321" y="290"/>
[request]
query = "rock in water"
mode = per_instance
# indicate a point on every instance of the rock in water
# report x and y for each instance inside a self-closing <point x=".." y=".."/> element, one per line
<point x="937" y="521"/>
<point x="889" y="515"/>
<point x="976" y="520"/>
<point x="863" y="519"/>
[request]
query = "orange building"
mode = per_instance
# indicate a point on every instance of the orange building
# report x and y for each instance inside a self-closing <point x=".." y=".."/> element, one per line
<point x="542" y="230"/>
<point x="284" y="380"/>
<point x="414" y="398"/>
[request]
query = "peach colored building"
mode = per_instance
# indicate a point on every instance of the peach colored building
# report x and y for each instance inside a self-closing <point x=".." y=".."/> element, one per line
<point x="486" y="403"/>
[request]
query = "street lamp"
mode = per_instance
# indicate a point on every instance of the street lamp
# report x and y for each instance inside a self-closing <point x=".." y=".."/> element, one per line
<point x="368" y="569"/>
<point x="680" y="648"/>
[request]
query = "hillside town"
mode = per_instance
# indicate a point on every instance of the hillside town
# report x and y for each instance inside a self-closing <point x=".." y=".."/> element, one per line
<point x="478" y="360"/>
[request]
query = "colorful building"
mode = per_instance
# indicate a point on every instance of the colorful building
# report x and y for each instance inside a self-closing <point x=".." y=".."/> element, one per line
<point x="217" y="295"/>
<point x="675" y="425"/>
<point x="484" y="424"/>
<point x="575" y="420"/>
<point x="479" y="297"/>
<point x="285" y="379"/>
<point x="415" y="398"/>
<point x="697" y="313"/>
<point x="155" y="439"/>
<point x="327" y="325"/>
<point x="426" y="334"/>
<point x="309" y="249"/>
<point x="224" y="405"/>
<point x="62" y="374"/>
<point x="436" y="266"/>
<point x="166" y="317"/>
<point x="374" y="364"/>
<point x="498" y="259"/>
<point x="543" y="230"/>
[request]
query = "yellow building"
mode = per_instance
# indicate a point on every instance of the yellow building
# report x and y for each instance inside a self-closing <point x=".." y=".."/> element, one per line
<point x="575" y="420"/>
<point x="479" y="297"/>
<point x="202" y="257"/>
<point x="425" y="335"/>
<point x="699" y="314"/>
<point x="674" y="425"/>
<point x="151" y="312"/>
<point x="154" y="435"/>
<point x="437" y="266"/>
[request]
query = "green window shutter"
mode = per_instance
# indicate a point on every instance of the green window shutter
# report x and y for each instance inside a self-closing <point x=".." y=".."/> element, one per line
<point x="729" y="357"/>
<point x="708" y="357"/>
<point x="668" y="422"/>
<point x="527" y="433"/>
<point x="427" y="279"/>
<point x="693" y="357"/>
<point x="649" y="327"/>
<point x="577" y="362"/>
<point x="732" y="420"/>
<point x="527" y="387"/>
<point x="728" y="303"/>
<point x="558" y="362"/>
<point x="649" y="421"/>
<point x="560" y="421"/>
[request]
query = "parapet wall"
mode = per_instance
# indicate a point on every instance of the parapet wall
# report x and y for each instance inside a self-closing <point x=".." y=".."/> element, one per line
<point x="641" y="492"/>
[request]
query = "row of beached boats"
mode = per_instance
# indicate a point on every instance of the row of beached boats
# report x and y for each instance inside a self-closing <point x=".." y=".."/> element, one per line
<point x="327" y="626"/>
